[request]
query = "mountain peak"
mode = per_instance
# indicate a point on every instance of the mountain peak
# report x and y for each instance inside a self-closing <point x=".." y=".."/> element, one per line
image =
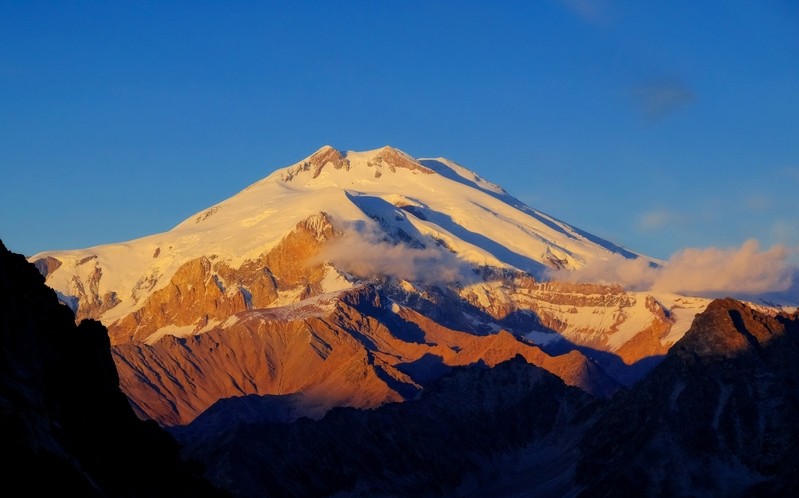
<point x="727" y="328"/>
<point x="316" y="162"/>
<point x="391" y="158"/>
<point x="380" y="194"/>
<point x="372" y="162"/>
<point x="389" y="151"/>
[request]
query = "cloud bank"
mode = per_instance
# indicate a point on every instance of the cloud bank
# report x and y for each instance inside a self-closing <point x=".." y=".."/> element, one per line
<point x="711" y="272"/>
<point x="366" y="253"/>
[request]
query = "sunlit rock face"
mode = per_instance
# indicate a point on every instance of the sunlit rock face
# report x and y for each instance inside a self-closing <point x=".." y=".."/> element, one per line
<point x="254" y="295"/>
<point x="373" y="304"/>
<point x="344" y="349"/>
<point x="715" y="418"/>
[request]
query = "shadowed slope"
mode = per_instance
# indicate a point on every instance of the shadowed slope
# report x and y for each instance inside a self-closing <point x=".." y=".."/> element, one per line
<point x="420" y="448"/>
<point x="716" y="418"/>
<point x="64" y="423"/>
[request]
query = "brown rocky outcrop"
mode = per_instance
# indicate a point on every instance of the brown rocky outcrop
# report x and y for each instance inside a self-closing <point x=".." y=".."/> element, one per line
<point x="344" y="350"/>
<point x="729" y="328"/>
<point x="716" y="418"/>
<point x="392" y="159"/>
<point x="202" y="292"/>
<point x="194" y="296"/>
<point x="458" y="348"/>
<point x="551" y="298"/>
<point x="386" y="158"/>
<point x="87" y="292"/>
<point x="317" y="161"/>
<point x="175" y="379"/>
<point x="47" y="265"/>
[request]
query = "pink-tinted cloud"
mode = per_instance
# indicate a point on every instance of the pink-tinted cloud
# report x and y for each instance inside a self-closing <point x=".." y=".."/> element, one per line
<point x="746" y="270"/>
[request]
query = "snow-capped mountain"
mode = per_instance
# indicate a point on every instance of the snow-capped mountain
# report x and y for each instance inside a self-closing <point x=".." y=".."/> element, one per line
<point x="431" y="202"/>
<point x="715" y="418"/>
<point x="372" y="266"/>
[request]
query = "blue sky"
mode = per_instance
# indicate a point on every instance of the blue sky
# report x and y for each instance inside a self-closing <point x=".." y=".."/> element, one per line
<point x="659" y="125"/>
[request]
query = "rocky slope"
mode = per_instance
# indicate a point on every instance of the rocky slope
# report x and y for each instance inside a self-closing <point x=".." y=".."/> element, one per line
<point x="715" y="418"/>
<point x="450" y="257"/>
<point x="350" y="348"/>
<point x="425" y="447"/>
<point x="65" y="425"/>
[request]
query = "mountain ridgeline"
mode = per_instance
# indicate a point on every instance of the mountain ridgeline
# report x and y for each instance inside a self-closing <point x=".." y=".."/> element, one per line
<point x="356" y="279"/>
<point x="66" y="426"/>
<point x="715" y="418"/>
<point x="372" y="324"/>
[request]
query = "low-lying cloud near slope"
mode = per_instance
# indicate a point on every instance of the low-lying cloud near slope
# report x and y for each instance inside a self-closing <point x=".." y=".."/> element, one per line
<point x="712" y="272"/>
<point x="365" y="253"/>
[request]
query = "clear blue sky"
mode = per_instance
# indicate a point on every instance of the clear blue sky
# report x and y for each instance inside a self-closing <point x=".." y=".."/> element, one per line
<point x="659" y="125"/>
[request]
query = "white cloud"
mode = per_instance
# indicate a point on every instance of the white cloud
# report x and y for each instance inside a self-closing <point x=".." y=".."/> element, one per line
<point x="364" y="253"/>
<point x="712" y="271"/>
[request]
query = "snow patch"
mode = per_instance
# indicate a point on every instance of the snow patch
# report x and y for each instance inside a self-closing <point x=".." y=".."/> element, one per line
<point x="316" y="306"/>
<point x="179" y="331"/>
<point x="683" y="310"/>
<point x="543" y="338"/>
<point x="334" y="281"/>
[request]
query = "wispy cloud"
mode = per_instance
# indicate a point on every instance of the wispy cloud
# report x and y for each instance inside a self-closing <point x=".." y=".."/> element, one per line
<point x="713" y="272"/>
<point x="659" y="98"/>
<point x="364" y="252"/>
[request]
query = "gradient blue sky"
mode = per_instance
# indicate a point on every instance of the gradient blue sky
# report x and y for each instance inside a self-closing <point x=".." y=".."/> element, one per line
<point x="659" y="125"/>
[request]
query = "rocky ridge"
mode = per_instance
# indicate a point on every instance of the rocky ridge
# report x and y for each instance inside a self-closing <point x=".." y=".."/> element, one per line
<point x="181" y="306"/>
<point x="715" y="418"/>
<point x="66" y="426"/>
<point x="214" y="315"/>
<point x="344" y="349"/>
